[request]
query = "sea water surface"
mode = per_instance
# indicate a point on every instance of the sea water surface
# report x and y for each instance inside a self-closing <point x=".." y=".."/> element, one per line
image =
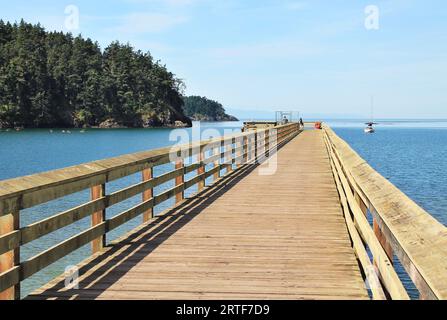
<point x="410" y="154"/>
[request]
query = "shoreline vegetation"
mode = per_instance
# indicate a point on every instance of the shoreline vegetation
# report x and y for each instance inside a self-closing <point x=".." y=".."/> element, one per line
<point x="204" y="109"/>
<point x="56" y="80"/>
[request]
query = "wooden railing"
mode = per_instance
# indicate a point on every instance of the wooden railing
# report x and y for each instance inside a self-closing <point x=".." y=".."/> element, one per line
<point x="230" y="153"/>
<point x="400" y="228"/>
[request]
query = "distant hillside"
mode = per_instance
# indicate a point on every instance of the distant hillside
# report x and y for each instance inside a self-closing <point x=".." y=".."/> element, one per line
<point x="52" y="79"/>
<point x="204" y="109"/>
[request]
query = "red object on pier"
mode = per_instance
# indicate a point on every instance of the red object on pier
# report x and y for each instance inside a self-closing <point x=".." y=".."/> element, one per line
<point x="318" y="125"/>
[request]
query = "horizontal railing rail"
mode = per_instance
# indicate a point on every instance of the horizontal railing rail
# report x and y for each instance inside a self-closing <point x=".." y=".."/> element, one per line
<point x="227" y="153"/>
<point x="400" y="228"/>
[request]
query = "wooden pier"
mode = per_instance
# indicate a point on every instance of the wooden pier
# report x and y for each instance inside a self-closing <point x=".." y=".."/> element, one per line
<point x="291" y="214"/>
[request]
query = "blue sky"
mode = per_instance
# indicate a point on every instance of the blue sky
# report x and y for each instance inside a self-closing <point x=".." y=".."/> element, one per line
<point x="265" y="55"/>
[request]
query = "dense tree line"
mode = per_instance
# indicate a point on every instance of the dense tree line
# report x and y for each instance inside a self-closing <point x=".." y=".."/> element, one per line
<point x="202" y="108"/>
<point x="53" y="79"/>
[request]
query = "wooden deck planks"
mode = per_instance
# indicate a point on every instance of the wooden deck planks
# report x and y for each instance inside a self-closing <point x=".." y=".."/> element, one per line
<point x="280" y="236"/>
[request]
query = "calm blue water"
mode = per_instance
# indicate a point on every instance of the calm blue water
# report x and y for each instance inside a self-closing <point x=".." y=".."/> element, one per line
<point x="411" y="155"/>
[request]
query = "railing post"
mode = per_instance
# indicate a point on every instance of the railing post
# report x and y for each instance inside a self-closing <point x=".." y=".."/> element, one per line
<point x="377" y="230"/>
<point x="267" y="144"/>
<point x="383" y="240"/>
<point x="256" y="146"/>
<point x="362" y="205"/>
<point x="229" y="156"/>
<point x="218" y="152"/>
<point x="8" y="260"/>
<point x="253" y="147"/>
<point x="245" y="150"/>
<point x="249" y="148"/>
<point x="179" y="181"/>
<point x="238" y="155"/>
<point x="201" y="170"/>
<point x="99" y="217"/>
<point x="147" y="195"/>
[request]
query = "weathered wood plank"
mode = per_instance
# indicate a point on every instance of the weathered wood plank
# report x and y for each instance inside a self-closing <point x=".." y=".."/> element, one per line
<point x="98" y="217"/>
<point x="201" y="170"/>
<point x="147" y="175"/>
<point x="9" y="224"/>
<point x="179" y="181"/>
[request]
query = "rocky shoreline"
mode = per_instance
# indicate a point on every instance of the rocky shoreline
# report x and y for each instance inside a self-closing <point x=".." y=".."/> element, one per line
<point x="200" y="117"/>
<point x="110" y="124"/>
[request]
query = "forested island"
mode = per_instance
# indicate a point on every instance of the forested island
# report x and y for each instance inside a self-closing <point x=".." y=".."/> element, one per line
<point x="204" y="109"/>
<point x="52" y="79"/>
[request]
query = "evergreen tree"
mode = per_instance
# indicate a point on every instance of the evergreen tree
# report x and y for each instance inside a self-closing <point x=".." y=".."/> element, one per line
<point x="202" y="108"/>
<point x="52" y="79"/>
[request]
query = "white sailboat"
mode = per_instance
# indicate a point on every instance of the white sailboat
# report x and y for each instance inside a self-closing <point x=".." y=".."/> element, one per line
<point x="370" y="128"/>
<point x="370" y="125"/>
